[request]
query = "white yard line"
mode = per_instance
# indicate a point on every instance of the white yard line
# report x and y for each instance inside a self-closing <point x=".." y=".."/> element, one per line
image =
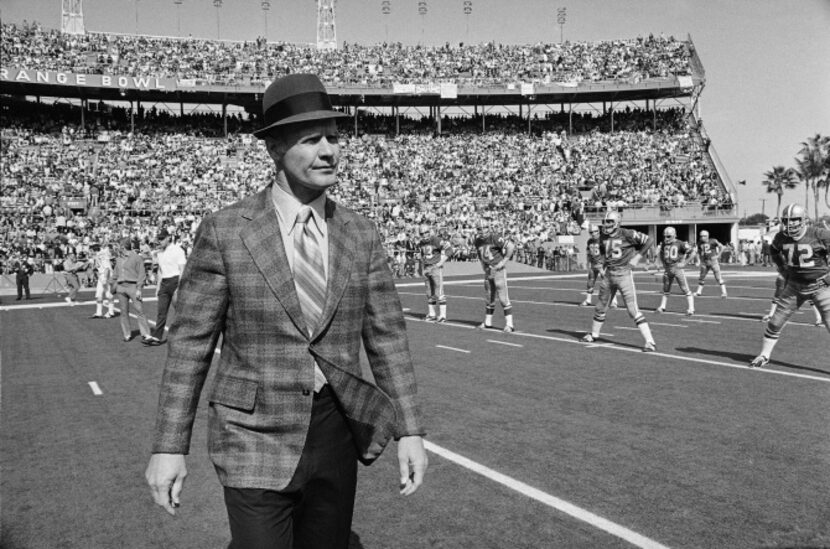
<point x="453" y="349"/>
<point x="559" y="504"/>
<point x="95" y="389"/>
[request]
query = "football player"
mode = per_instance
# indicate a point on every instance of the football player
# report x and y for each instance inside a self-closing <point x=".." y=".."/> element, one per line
<point x="674" y="254"/>
<point x="709" y="250"/>
<point x="622" y="249"/>
<point x="493" y="252"/>
<point x="594" y="254"/>
<point x="434" y="252"/>
<point x="801" y="254"/>
<point x="102" y="262"/>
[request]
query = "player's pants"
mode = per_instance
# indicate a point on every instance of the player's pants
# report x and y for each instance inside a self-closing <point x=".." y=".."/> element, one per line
<point x="714" y="266"/>
<point x="495" y="286"/>
<point x="593" y="274"/>
<point x="790" y="300"/>
<point x="610" y="284"/>
<point x="434" y="281"/>
<point x="675" y="274"/>
<point x="102" y="290"/>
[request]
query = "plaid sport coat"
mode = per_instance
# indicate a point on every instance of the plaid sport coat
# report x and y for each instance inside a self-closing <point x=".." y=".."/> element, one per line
<point x="237" y="283"/>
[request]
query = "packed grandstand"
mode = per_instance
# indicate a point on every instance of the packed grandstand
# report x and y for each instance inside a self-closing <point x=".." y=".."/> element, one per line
<point x="71" y="179"/>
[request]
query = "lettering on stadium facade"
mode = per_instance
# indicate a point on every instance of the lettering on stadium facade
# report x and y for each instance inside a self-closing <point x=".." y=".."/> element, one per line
<point x="88" y="80"/>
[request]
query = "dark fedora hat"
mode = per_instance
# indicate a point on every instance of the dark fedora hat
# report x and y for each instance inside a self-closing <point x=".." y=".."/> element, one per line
<point x="295" y="98"/>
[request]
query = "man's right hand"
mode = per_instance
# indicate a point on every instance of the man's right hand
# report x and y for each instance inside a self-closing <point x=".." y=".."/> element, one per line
<point x="165" y="474"/>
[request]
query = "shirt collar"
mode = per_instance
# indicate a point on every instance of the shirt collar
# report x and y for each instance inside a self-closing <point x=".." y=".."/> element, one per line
<point x="288" y="206"/>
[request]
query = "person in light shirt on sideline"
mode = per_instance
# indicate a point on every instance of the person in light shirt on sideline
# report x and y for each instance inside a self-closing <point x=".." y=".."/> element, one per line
<point x="171" y="261"/>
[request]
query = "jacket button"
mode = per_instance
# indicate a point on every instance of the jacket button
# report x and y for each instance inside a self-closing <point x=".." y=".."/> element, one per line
<point x="306" y="392"/>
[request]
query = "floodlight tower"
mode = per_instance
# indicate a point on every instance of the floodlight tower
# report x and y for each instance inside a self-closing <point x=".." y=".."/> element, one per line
<point x="72" y="16"/>
<point x="326" y="31"/>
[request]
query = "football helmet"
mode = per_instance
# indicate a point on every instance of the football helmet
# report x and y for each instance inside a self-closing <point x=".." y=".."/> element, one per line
<point x="793" y="221"/>
<point x="611" y="222"/>
<point x="704" y="236"/>
<point x="669" y="234"/>
<point x="593" y="231"/>
<point x="425" y="229"/>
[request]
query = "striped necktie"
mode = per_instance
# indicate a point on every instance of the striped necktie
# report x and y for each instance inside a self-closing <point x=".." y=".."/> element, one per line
<point x="309" y="273"/>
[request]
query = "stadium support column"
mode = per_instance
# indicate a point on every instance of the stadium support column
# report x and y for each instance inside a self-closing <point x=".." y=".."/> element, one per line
<point x="132" y="118"/>
<point x="356" y="111"/>
<point x="83" y="115"/>
<point x="397" y="120"/>
<point x="225" y="118"/>
<point x="438" y="118"/>
<point x="529" y="115"/>
<point x="570" y="119"/>
<point x="612" y="117"/>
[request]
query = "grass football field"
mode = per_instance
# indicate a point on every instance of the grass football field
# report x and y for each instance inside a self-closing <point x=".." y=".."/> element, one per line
<point x="536" y="440"/>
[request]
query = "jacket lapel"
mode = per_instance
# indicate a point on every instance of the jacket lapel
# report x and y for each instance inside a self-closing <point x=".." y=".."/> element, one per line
<point x="261" y="236"/>
<point x="341" y="255"/>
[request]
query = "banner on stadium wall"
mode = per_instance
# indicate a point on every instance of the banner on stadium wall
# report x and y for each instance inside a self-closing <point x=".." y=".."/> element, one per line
<point x="416" y="89"/>
<point x="526" y="89"/>
<point x="449" y="90"/>
<point x="87" y="80"/>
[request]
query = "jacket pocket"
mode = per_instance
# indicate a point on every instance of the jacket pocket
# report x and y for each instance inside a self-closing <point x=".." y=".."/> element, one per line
<point x="234" y="393"/>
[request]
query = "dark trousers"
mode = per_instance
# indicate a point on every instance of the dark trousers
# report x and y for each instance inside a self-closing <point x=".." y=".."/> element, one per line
<point x="23" y="285"/>
<point x="165" y="296"/>
<point x="315" y="510"/>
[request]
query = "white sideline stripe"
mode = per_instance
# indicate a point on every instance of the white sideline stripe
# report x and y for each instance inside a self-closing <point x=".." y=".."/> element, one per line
<point x="667" y="324"/>
<point x="701" y="321"/>
<point x="95" y="389"/>
<point x="453" y="349"/>
<point x="627" y="328"/>
<point x="504" y="343"/>
<point x="559" y="504"/>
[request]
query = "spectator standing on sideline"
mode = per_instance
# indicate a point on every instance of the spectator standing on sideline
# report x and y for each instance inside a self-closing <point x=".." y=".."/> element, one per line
<point x="23" y="269"/>
<point x="130" y="276"/>
<point x="70" y="269"/>
<point x="296" y="284"/>
<point x="171" y="262"/>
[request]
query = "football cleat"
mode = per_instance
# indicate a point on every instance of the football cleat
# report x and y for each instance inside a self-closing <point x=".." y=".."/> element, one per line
<point x="441" y="319"/>
<point x="430" y="318"/>
<point x="585" y="303"/>
<point x="690" y="312"/>
<point x="614" y="305"/>
<point x="819" y="322"/>
<point x="484" y="326"/>
<point x="698" y="293"/>
<point x="649" y="347"/>
<point x="723" y="295"/>
<point x="759" y="362"/>
<point x="109" y="315"/>
<point x="588" y="338"/>
<point x="509" y="329"/>
<point x="766" y="318"/>
<point x="659" y="310"/>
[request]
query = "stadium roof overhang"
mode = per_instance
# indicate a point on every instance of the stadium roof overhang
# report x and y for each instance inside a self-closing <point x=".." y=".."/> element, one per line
<point x="249" y="97"/>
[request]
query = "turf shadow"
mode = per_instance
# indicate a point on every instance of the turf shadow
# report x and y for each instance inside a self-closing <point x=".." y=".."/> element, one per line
<point x="745" y="358"/>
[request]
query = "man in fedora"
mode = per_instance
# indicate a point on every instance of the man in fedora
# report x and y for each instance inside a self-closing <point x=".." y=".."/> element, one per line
<point x="295" y="284"/>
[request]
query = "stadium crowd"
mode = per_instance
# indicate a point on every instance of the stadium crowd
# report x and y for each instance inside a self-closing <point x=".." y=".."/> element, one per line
<point x="65" y="188"/>
<point x="31" y="46"/>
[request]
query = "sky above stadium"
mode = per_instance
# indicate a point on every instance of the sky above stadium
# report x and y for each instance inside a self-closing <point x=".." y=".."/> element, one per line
<point x="766" y="61"/>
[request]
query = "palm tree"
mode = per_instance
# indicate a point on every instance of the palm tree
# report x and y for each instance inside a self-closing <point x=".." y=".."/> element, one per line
<point x="813" y="165"/>
<point x="778" y="180"/>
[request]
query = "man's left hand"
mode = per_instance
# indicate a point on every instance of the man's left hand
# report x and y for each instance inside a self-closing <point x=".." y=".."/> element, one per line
<point x="412" y="461"/>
